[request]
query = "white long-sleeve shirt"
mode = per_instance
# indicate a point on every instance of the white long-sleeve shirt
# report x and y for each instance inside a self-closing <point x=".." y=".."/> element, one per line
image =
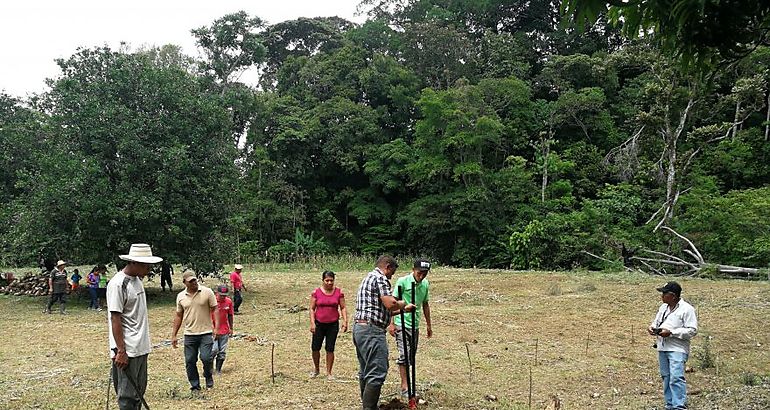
<point x="682" y="323"/>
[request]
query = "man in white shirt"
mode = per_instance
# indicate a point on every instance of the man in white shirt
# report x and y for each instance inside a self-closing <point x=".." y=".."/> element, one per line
<point x="674" y="325"/>
<point x="129" y="326"/>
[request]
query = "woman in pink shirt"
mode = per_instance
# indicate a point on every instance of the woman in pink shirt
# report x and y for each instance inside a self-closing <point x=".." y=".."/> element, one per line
<point x="326" y="304"/>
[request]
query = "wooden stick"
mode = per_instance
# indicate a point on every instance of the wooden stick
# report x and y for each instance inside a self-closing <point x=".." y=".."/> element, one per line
<point x="536" y="340"/>
<point x="529" y="401"/>
<point x="588" y="339"/>
<point x="272" y="363"/>
<point x="470" y="367"/>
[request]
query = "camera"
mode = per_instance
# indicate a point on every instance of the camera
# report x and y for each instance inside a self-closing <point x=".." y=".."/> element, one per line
<point x="656" y="330"/>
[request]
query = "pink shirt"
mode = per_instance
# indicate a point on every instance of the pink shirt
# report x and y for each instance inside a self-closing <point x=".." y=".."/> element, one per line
<point x="236" y="280"/>
<point x="327" y="306"/>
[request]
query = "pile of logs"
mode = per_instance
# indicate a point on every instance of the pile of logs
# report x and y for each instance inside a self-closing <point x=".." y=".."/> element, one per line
<point x="32" y="284"/>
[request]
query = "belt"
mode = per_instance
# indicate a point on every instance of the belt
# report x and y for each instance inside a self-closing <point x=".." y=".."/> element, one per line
<point x="369" y="322"/>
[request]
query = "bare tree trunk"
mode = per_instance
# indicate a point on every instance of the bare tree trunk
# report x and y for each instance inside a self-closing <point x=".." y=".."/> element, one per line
<point x="767" y="118"/>
<point x="736" y="119"/>
<point x="546" y="150"/>
<point x="671" y="139"/>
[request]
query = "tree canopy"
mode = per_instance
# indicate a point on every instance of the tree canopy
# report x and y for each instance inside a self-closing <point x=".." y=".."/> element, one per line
<point x="488" y="134"/>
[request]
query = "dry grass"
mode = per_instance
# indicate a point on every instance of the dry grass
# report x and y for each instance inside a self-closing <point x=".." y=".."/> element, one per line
<point x="60" y="362"/>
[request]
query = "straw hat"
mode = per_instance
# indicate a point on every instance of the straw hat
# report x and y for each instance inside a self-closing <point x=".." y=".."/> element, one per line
<point x="238" y="266"/>
<point x="60" y="262"/>
<point x="142" y="253"/>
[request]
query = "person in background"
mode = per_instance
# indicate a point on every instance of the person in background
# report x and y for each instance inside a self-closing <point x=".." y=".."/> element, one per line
<point x="166" y="270"/>
<point x="326" y="304"/>
<point x="92" y="281"/>
<point x="103" y="280"/>
<point x="57" y="287"/>
<point x="75" y="280"/>
<point x="237" y="281"/>
<point x="225" y="312"/>
<point x="674" y="325"/>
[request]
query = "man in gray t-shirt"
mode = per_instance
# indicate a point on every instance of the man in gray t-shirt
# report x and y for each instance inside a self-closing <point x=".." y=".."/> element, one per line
<point x="57" y="287"/>
<point x="129" y="326"/>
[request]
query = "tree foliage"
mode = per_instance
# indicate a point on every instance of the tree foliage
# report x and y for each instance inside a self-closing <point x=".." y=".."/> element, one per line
<point x="477" y="133"/>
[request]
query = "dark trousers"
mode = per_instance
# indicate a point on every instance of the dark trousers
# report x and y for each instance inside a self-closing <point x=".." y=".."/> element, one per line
<point x="327" y="331"/>
<point x="128" y="397"/>
<point x="195" y="346"/>
<point x="94" y="293"/>
<point x="165" y="279"/>
<point x="237" y="299"/>
<point x="61" y="297"/>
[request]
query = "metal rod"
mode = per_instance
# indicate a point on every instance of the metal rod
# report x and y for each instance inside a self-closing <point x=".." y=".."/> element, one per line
<point x="405" y="342"/>
<point x="414" y="341"/>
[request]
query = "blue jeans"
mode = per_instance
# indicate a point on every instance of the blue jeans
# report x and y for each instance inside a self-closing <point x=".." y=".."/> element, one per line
<point x="674" y="385"/>
<point x="372" y="353"/>
<point x="220" y="347"/>
<point x="195" y="345"/>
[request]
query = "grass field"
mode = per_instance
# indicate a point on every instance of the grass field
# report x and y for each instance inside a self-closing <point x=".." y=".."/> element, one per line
<point x="589" y="329"/>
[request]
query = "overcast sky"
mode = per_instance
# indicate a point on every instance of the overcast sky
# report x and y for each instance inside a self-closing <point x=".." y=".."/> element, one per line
<point x="35" y="32"/>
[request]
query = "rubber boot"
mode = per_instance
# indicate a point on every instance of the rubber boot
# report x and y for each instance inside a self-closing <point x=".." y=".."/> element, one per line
<point x="371" y="397"/>
<point x="220" y="362"/>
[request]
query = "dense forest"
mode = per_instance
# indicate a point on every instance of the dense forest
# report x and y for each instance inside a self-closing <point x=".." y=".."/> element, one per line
<point x="477" y="133"/>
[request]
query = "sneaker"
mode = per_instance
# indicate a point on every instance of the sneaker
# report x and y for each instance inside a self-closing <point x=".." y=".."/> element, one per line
<point x="405" y="394"/>
<point x="195" y="388"/>
<point x="210" y="383"/>
<point x="313" y="375"/>
<point x="330" y="378"/>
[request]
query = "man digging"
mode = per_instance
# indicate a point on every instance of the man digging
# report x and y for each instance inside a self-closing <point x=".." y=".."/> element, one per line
<point x="419" y="298"/>
<point x="374" y="305"/>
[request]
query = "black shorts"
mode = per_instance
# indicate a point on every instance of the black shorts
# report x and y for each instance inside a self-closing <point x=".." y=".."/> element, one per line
<point x="326" y="331"/>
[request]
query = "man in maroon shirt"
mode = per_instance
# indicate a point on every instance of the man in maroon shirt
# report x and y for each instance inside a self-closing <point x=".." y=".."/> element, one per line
<point x="237" y="280"/>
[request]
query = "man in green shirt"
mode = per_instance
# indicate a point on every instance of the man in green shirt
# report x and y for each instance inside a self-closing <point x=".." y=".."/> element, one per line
<point x="403" y="290"/>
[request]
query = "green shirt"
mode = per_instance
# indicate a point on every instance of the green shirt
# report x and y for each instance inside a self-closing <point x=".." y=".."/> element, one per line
<point x="421" y="289"/>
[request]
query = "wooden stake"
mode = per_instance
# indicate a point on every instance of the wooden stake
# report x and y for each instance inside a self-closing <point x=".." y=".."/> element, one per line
<point x="529" y="401"/>
<point x="272" y="363"/>
<point x="470" y="367"/>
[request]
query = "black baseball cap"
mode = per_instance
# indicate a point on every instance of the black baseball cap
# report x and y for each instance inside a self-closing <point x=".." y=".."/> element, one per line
<point x="421" y="264"/>
<point x="672" y="287"/>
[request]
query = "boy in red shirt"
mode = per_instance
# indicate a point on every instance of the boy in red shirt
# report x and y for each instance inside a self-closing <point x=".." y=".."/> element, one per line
<point x="225" y="311"/>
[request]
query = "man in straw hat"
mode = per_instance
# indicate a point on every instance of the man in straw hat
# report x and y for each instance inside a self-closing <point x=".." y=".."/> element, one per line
<point x="57" y="287"/>
<point x="129" y="326"/>
<point x="194" y="307"/>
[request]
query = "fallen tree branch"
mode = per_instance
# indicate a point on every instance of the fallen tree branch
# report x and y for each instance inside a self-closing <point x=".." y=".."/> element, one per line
<point x="606" y="260"/>
<point x="697" y="255"/>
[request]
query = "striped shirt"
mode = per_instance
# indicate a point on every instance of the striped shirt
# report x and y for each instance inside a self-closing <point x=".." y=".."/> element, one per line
<point x="369" y="306"/>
